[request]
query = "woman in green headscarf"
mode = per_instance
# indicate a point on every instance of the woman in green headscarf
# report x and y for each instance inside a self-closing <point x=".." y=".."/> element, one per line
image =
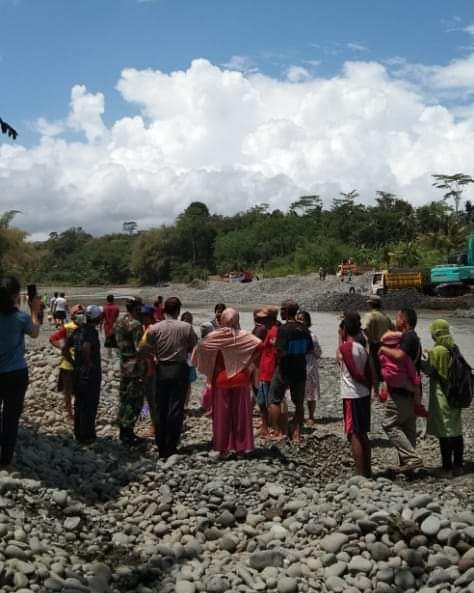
<point x="444" y="422"/>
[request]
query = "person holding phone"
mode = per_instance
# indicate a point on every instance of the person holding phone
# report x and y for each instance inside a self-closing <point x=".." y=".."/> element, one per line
<point x="14" y="325"/>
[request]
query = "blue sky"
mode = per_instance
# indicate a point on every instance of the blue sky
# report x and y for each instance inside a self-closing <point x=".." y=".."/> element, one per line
<point x="133" y="108"/>
<point x="47" y="46"/>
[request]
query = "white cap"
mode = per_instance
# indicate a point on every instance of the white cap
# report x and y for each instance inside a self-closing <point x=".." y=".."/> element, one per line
<point x="93" y="311"/>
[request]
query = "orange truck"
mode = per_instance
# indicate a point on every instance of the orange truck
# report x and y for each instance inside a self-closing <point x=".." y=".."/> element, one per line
<point x="350" y="267"/>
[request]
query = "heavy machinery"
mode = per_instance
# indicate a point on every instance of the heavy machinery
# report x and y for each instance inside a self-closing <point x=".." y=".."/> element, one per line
<point x="457" y="276"/>
<point x="449" y="280"/>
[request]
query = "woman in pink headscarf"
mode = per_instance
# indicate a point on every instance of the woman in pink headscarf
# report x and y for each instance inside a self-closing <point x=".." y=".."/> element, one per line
<point x="225" y="357"/>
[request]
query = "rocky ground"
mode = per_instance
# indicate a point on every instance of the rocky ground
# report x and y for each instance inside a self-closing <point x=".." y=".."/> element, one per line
<point x="285" y="519"/>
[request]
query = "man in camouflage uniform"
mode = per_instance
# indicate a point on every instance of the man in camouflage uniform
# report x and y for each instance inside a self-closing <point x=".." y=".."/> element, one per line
<point x="128" y="333"/>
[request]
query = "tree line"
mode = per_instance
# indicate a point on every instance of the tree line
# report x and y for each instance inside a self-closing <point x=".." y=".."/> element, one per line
<point x="389" y="233"/>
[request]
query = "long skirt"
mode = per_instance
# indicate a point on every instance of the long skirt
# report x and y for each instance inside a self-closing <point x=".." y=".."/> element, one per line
<point x="232" y="419"/>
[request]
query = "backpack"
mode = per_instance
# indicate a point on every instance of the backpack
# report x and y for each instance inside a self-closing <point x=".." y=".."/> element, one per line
<point x="459" y="386"/>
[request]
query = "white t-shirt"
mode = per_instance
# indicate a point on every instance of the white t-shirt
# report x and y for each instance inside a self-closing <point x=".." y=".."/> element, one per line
<point x="351" y="389"/>
<point x="60" y="304"/>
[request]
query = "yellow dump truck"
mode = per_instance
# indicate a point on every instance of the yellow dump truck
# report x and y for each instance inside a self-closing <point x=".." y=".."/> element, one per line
<point x="393" y="280"/>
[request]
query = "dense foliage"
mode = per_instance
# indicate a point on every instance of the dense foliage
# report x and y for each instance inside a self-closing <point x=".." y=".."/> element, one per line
<point x="390" y="232"/>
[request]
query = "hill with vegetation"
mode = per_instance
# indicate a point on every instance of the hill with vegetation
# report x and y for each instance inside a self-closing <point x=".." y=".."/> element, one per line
<point x="391" y="232"/>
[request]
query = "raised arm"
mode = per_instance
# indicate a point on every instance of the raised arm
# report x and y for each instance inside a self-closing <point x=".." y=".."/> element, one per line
<point x="34" y="329"/>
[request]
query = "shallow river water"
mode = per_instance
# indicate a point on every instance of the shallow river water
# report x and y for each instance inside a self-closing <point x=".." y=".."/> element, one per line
<point x="325" y="327"/>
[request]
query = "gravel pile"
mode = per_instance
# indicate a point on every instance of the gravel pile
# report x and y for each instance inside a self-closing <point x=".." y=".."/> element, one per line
<point x="310" y="292"/>
<point x="284" y="520"/>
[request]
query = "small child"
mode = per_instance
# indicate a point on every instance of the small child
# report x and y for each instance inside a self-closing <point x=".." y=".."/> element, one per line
<point x="401" y="374"/>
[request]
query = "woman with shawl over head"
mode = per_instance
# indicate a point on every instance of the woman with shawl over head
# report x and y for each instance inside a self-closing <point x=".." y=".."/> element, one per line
<point x="444" y="422"/>
<point x="226" y="356"/>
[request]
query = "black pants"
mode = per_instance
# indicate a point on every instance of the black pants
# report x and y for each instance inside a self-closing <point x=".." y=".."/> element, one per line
<point x="12" y="395"/>
<point x="452" y="451"/>
<point x="86" y="401"/>
<point x="172" y="380"/>
<point x="375" y="361"/>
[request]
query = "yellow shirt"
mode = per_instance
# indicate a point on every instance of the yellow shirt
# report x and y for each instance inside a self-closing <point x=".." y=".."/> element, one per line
<point x="70" y="329"/>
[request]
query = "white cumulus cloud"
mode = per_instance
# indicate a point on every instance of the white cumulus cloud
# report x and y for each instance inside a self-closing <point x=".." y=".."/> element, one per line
<point x="233" y="139"/>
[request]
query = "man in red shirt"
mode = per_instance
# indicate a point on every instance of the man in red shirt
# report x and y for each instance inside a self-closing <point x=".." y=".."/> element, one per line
<point x="267" y="317"/>
<point x="109" y="317"/>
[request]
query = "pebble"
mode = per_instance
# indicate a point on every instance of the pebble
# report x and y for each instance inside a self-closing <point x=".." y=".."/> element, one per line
<point x="275" y="490"/>
<point x="217" y="584"/>
<point x="337" y="569"/>
<point x="467" y="561"/>
<point x="260" y="560"/>
<point x="72" y="523"/>
<point x="185" y="587"/>
<point x="404" y="578"/>
<point x="430" y="526"/>
<point x="420" y="501"/>
<point x="379" y="551"/>
<point x="225" y="519"/>
<point x="287" y="585"/>
<point x="334" y="542"/>
<point x="360" y="564"/>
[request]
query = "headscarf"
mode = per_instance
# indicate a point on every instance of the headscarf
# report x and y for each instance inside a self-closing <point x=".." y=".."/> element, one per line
<point x="440" y="356"/>
<point x="237" y="347"/>
<point x="230" y="318"/>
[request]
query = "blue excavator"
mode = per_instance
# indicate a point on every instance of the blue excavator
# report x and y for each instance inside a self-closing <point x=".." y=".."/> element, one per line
<point x="457" y="276"/>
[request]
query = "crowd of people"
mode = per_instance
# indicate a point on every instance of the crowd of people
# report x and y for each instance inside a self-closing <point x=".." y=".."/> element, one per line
<point x="277" y="362"/>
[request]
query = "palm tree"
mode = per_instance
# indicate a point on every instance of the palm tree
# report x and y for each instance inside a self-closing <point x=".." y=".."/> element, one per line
<point x="454" y="184"/>
<point x="7" y="129"/>
<point x="7" y="217"/>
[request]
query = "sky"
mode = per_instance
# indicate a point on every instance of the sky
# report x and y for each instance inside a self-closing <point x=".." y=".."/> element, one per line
<point x="132" y="109"/>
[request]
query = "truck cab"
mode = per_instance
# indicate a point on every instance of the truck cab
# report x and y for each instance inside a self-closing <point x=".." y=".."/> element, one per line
<point x="377" y="283"/>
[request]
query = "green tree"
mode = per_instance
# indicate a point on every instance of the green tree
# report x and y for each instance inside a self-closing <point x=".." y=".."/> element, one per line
<point x="147" y="262"/>
<point x="454" y="186"/>
<point x="390" y="217"/>
<point x="196" y="234"/>
<point x="17" y="256"/>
